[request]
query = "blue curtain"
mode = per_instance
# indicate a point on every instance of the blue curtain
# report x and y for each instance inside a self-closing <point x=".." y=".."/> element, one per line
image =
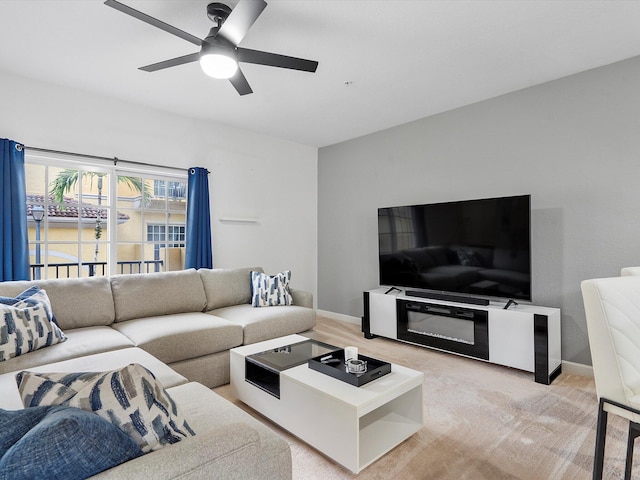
<point x="14" y="257"/>
<point x="198" y="234"/>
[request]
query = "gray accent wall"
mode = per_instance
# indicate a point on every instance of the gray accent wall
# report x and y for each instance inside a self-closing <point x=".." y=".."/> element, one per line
<point x="573" y="144"/>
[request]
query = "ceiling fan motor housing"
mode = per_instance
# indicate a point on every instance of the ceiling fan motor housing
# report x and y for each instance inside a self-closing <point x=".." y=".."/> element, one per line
<point x="214" y="44"/>
<point x="218" y="12"/>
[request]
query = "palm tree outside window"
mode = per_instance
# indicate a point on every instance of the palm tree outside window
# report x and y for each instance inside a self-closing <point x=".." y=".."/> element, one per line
<point x="95" y="226"/>
<point x="67" y="180"/>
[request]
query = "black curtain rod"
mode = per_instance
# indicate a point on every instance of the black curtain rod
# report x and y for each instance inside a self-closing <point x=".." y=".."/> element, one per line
<point x="115" y="160"/>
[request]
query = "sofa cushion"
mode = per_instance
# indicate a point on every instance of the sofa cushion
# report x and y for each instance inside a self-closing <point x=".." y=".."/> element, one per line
<point x="230" y="445"/>
<point x="62" y="442"/>
<point x="79" y="342"/>
<point x="270" y="290"/>
<point x="130" y="398"/>
<point x="26" y="325"/>
<point x="210" y="370"/>
<point x="10" y="398"/>
<point x="265" y="323"/>
<point x="162" y="293"/>
<point x="76" y="302"/>
<point x="181" y="336"/>
<point x="226" y="287"/>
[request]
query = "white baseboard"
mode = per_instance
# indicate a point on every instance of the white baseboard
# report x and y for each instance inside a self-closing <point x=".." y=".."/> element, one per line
<point x="577" y="369"/>
<point x="339" y="316"/>
<point x="567" y="367"/>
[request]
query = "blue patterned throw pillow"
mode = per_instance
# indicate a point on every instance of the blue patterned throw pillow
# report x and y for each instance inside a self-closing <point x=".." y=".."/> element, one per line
<point x="270" y="290"/>
<point x="27" y="324"/>
<point x="61" y="442"/>
<point x="32" y="291"/>
<point x="130" y="398"/>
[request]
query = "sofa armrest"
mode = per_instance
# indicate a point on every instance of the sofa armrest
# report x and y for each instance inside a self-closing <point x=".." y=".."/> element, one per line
<point x="302" y="298"/>
<point x="229" y="451"/>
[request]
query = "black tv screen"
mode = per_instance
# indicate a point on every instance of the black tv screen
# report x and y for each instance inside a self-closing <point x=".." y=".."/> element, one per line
<point x="473" y="247"/>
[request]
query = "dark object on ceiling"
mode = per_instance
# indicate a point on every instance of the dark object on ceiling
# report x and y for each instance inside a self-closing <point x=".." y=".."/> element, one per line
<point x="221" y="44"/>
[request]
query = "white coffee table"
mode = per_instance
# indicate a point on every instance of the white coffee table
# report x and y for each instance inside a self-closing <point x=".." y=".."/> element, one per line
<point x="352" y="425"/>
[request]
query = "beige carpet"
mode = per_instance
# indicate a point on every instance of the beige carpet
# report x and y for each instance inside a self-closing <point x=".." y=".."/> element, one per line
<point x="481" y="421"/>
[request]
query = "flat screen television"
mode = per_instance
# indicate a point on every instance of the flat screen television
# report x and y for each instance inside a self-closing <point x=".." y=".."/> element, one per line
<point x="476" y="248"/>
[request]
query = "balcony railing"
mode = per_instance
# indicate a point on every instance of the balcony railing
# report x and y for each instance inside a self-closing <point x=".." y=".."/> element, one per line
<point x="128" y="266"/>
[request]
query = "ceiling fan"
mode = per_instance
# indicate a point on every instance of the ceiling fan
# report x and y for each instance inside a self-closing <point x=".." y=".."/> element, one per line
<point x="219" y="51"/>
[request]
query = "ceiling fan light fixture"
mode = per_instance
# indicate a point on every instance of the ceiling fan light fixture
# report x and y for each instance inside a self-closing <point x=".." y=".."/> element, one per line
<point x="218" y="65"/>
<point x="219" y="50"/>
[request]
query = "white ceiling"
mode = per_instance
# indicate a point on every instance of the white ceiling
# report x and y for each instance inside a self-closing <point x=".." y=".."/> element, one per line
<point x="381" y="63"/>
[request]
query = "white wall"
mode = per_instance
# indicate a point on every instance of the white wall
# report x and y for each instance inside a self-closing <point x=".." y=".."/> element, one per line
<point x="573" y="144"/>
<point x="252" y="175"/>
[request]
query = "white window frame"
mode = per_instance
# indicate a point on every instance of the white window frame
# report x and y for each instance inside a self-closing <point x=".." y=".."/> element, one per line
<point x="60" y="160"/>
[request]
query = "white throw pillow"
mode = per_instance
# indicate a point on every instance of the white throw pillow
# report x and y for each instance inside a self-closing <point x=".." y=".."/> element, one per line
<point x="270" y="290"/>
<point x="27" y="324"/>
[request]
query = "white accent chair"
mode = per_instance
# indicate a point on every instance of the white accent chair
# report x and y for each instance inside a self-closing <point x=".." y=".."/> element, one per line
<point x="630" y="271"/>
<point x="612" y="307"/>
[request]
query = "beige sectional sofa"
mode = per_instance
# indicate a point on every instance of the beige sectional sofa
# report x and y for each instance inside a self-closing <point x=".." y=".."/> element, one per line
<point x="188" y="319"/>
<point x="181" y="326"/>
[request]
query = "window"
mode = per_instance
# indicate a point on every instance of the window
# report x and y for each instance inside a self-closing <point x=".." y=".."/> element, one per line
<point x="90" y="219"/>
<point x="172" y="189"/>
<point x="165" y="237"/>
<point x="158" y="233"/>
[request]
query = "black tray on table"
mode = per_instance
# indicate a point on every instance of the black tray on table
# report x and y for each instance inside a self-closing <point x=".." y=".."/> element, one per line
<point x="338" y="369"/>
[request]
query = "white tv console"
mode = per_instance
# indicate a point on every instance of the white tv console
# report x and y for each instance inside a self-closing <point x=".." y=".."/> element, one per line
<point x="525" y="337"/>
